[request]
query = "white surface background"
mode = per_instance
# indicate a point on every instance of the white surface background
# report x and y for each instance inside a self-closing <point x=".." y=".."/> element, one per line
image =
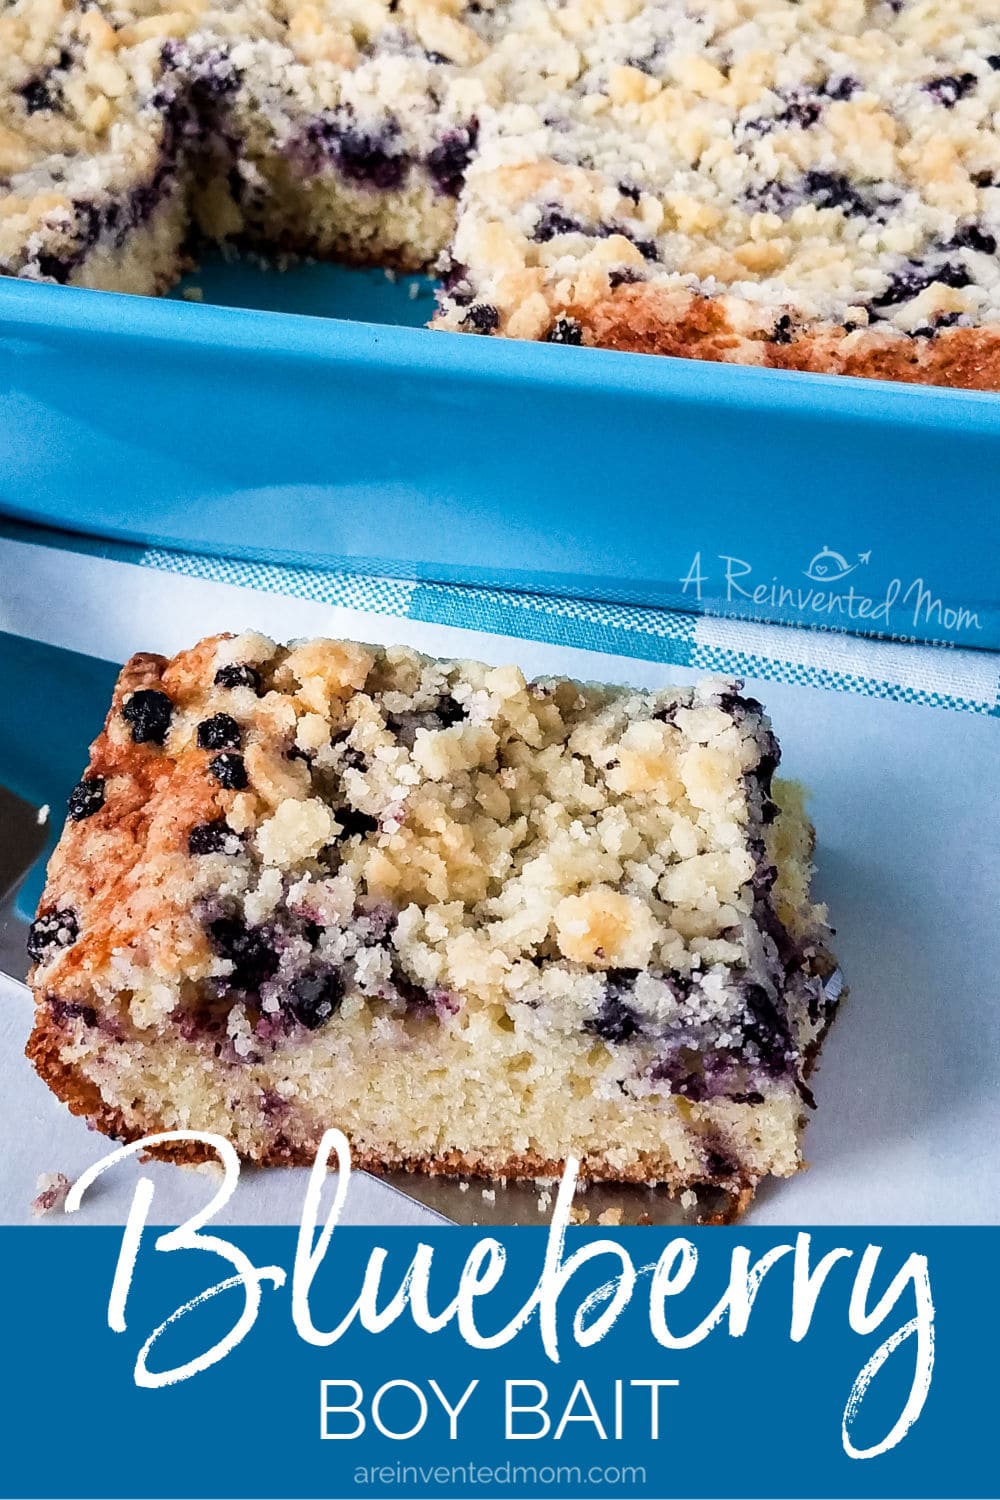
<point x="905" y="800"/>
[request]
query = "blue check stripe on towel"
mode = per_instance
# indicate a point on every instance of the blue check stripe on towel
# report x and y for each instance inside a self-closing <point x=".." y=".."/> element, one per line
<point x="938" y="677"/>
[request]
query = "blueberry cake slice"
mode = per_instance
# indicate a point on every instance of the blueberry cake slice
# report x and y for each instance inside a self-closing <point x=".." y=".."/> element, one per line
<point x="478" y="923"/>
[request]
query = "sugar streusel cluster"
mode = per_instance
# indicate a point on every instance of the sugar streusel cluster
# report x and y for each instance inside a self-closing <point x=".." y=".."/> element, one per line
<point x="479" y="923"/>
<point x="808" y="183"/>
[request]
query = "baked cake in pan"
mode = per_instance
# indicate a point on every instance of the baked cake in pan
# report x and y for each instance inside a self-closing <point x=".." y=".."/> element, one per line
<point x="478" y="923"/>
<point x="811" y="184"/>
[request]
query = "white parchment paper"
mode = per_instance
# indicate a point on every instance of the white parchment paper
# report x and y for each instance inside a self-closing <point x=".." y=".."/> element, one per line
<point x="905" y="801"/>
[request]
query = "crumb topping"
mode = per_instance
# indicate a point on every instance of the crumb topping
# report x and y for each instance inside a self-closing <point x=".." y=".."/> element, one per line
<point x="823" y="164"/>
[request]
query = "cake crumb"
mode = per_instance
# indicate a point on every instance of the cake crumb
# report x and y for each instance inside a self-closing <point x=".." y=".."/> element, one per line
<point x="689" y="1200"/>
<point x="544" y="1201"/>
<point x="579" y="1215"/>
<point x="489" y="1195"/>
<point x="610" y="1217"/>
<point x="212" y="1169"/>
<point x="51" y="1191"/>
<point x="193" y="294"/>
<point x="42" y="816"/>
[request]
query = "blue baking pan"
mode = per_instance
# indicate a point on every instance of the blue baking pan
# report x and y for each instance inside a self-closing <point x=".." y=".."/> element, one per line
<point x="330" y="432"/>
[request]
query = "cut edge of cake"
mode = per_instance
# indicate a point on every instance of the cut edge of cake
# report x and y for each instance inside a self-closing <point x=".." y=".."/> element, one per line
<point x="589" y="224"/>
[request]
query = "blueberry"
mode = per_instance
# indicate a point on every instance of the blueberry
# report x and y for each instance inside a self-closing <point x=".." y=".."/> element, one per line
<point x="801" y="112"/>
<point x="351" y="758"/>
<point x="446" y="712"/>
<point x="450" y="157"/>
<point x="624" y="276"/>
<point x="354" y="822"/>
<point x="481" y="318"/>
<point x="367" y="155"/>
<point x="645" y="63"/>
<point x="53" y="929"/>
<point x="414" y="995"/>
<point x="801" y="108"/>
<point x="943" y="320"/>
<point x="249" y="949"/>
<point x="737" y="705"/>
<point x="971" y="237"/>
<point x="238" y="674"/>
<point x="616" y="1021"/>
<point x="453" y="278"/>
<point x="984" y="179"/>
<point x="764" y="875"/>
<point x="680" y="1068"/>
<point x="770" y="758"/>
<point x="144" y="200"/>
<point x="950" y="88"/>
<point x="172" y="53"/>
<point x="551" y="223"/>
<point x="313" y="998"/>
<point x="907" y="284"/>
<point x="782" y="333"/>
<point x="220" y="732"/>
<point x="210" y="838"/>
<point x="952" y="275"/>
<point x="230" y="772"/>
<point x="565" y="331"/>
<point x="55" y="267"/>
<point x="718" y="1164"/>
<point x="72" y="1010"/>
<point x="148" y="714"/>
<point x="902" y="286"/>
<point x="646" y="248"/>
<point x="773" y="197"/>
<point x="765" y="1026"/>
<point x="842" y="87"/>
<point x="629" y="190"/>
<point x="89" y="222"/>
<point x="834" y="190"/>
<point x="449" y="710"/>
<point x="994" y="61"/>
<point x="199" y="1024"/>
<point x="702" y="1076"/>
<point x="38" y="96"/>
<point x="86" y="798"/>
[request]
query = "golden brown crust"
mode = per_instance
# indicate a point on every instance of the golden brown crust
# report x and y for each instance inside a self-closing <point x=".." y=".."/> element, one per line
<point x="647" y="319"/>
<point x="157" y="799"/>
